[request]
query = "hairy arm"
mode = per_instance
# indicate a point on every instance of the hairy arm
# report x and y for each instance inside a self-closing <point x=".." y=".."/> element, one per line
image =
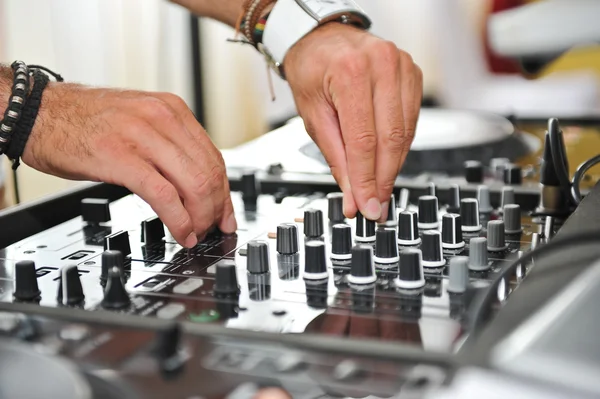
<point x="226" y="11"/>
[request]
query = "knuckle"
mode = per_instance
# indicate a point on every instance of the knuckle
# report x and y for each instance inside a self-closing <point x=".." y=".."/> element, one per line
<point x="397" y="138"/>
<point x="387" y="53"/>
<point x="405" y="58"/>
<point x="366" y="141"/>
<point x="174" y="100"/>
<point x="164" y="192"/>
<point x="156" y="108"/>
<point x="353" y="65"/>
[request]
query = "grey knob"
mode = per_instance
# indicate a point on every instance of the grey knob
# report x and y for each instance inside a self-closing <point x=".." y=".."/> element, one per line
<point x="258" y="257"/>
<point x="512" y="219"/>
<point x="478" y="254"/>
<point x="483" y="197"/>
<point x="403" y="198"/>
<point x="391" y="215"/>
<point x="287" y="239"/>
<point x="458" y="274"/>
<point x="495" y="236"/>
<point x="507" y="198"/>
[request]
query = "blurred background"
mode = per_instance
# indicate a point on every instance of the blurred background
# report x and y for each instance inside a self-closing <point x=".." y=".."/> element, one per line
<point x="157" y="46"/>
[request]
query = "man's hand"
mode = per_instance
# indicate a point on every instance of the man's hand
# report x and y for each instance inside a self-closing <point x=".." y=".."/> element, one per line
<point x="149" y="143"/>
<point x="359" y="97"/>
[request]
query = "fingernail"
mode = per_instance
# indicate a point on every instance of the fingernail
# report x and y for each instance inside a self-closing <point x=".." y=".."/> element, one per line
<point x="373" y="209"/>
<point x="191" y="240"/>
<point x="230" y="225"/>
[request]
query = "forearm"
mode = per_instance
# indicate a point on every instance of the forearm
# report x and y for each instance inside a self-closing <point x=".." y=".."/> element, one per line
<point x="226" y="11"/>
<point x="6" y="80"/>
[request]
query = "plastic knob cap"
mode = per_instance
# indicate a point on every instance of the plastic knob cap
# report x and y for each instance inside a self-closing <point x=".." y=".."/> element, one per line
<point x="428" y="212"/>
<point x="365" y="229"/>
<point x="26" y="284"/>
<point x="362" y="270"/>
<point x="469" y="215"/>
<point x="110" y="259"/>
<point x="95" y="210"/>
<point x="513" y="174"/>
<point x="335" y="207"/>
<point x="258" y="257"/>
<point x="408" y="230"/>
<point x="287" y="239"/>
<point x="70" y="290"/>
<point x="313" y="223"/>
<point x="118" y="241"/>
<point x="226" y="282"/>
<point x="341" y="242"/>
<point x="431" y="248"/>
<point x="432" y="189"/>
<point x="250" y="187"/>
<point x="495" y="236"/>
<point x="392" y="218"/>
<point x="115" y="294"/>
<point x="458" y="275"/>
<point x="153" y="231"/>
<point x="454" y="203"/>
<point x="478" y="254"/>
<point x="483" y="197"/>
<point x="452" y="232"/>
<point x="315" y="264"/>
<point x="512" y="219"/>
<point x="473" y="172"/>
<point x="386" y="248"/>
<point x="410" y="273"/>
<point x="507" y="197"/>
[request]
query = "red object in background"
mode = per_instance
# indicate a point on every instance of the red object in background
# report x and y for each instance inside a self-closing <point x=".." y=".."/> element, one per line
<point x="496" y="63"/>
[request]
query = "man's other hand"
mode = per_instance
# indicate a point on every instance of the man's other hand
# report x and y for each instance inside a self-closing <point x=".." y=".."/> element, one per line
<point x="150" y="143"/>
<point x="360" y="98"/>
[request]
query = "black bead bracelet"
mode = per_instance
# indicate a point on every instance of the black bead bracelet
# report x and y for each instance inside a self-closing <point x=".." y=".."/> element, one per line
<point x="18" y="98"/>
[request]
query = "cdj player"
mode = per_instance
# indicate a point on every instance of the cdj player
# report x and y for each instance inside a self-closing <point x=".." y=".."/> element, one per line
<point x="482" y="285"/>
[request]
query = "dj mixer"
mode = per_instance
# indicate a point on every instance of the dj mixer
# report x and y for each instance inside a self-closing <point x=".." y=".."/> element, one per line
<point x="107" y="304"/>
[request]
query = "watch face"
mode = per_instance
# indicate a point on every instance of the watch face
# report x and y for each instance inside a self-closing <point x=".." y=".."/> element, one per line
<point x="322" y="8"/>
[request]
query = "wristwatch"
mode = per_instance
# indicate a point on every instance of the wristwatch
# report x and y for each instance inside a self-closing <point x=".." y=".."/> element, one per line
<point x="291" y="20"/>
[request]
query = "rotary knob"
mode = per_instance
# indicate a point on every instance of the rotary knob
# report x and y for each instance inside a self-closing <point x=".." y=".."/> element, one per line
<point x="315" y="264"/>
<point x="512" y="219"/>
<point x="110" y="259"/>
<point x="386" y="248"/>
<point x="391" y="212"/>
<point x="497" y="165"/>
<point x="365" y="229"/>
<point x="431" y="248"/>
<point x="483" y="198"/>
<point x="428" y="212"/>
<point x="226" y="282"/>
<point x="341" y="242"/>
<point x="403" y="198"/>
<point x="26" y="285"/>
<point x="287" y="239"/>
<point x="473" y="172"/>
<point x="454" y="203"/>
<point x="469" y="215"/>
<point x="408" y="230"/>
<point x="513" y="174"/>
<point x="458" y="275"/>
<point x="258" y="257"/>
<point x="478" y="254"/>
<point x="452" y="232"/>
<point x="362" y="270"/>
<point x="335" y="207"/>
<point x="507" y="197"/>
<point x="115" y="294"/>
<point x="410" y="273"/>
<point x="432" y="189"/>
<point x="495" y="236"/>
<point x="70" y="291"/>
<point x="313" y="223"/>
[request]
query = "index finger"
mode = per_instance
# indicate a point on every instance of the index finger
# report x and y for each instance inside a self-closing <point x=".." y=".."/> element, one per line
<point x="352" y="96"/>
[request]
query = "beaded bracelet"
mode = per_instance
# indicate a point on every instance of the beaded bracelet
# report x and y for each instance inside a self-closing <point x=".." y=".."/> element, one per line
<point x="18" y="98"/>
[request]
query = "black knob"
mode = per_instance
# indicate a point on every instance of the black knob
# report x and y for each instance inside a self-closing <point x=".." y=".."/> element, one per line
<point x="428" y="212"/>
<point x="431" y="248"/>
<point x="386" y="248"/>
<point x="315" y="264"/>
<point x="548" y="174"/>
<point x="287" y="239"/>
<point x="513" y="174"/>
<point x="473" y="172"/>
<point x="452" y="232"/>
<point x="226" y="282"/>
<point x="250" y="187"/>
<point x="70" y="291"/>
<point x="408" y="230"/>
<point x="512" y="219"/>
<point x="335" y="209"/>
<point x="95" y="210"/>
<point x="118" y="241"/>
<point x="454" y="203"/>
<point x="166" y="346"/>
<point x="432" y="189"/>
<point x="365" y="229"/>
<point x="410" y="274"/>
<point x="258" y="257"/>
<point x="313" y="223"/>
<point x="115" y="295"/>
<point x="483" y="198"/>
<point x="363" y="268"/>
<point x="341" y="242"/>
<point x="469" y="215"/>
<point x="495" y="236"/>
<point x="153" y="231"/>
<point x="497" y="166"/>
<point x="110" y="259"/>
<point x="391" y="212"/>
<point x="26" y="285"/>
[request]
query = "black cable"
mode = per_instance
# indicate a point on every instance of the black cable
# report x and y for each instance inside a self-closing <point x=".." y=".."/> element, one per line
<point x="579" y="173"/>
<point x="483" y="301"/>
<point x="16" y="187"/>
